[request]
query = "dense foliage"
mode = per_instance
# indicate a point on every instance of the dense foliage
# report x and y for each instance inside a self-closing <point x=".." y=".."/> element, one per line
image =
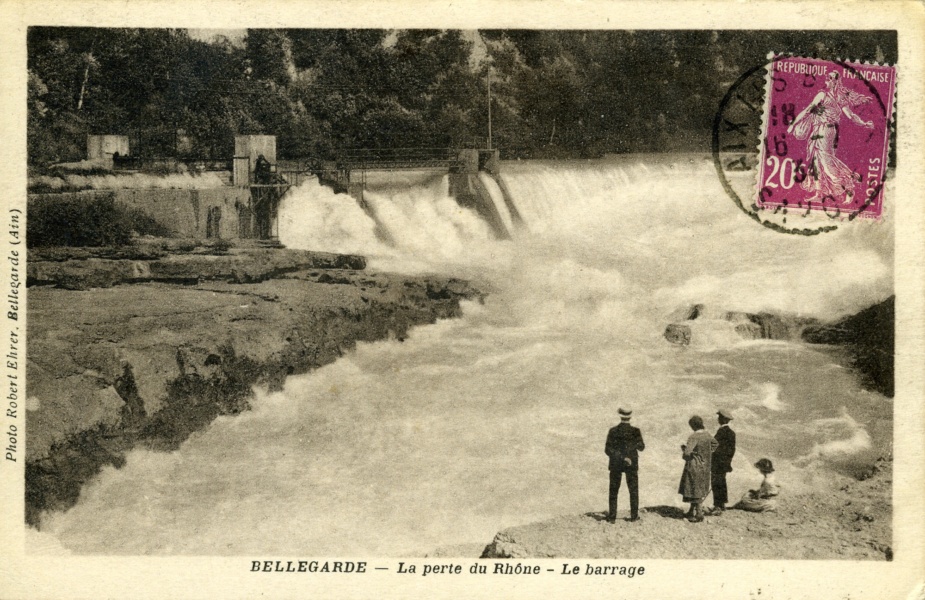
<point x="554" y="93"/>
<point x="93" y="220"/>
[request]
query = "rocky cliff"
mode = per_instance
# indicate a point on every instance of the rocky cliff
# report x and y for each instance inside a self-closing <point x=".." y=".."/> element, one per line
<point x="870" y="338"/>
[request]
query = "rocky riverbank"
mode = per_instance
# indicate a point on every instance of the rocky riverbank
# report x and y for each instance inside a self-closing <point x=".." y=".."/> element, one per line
<point x="867" y="337"/>
<point x="143" y="347"/>
<point x="852" y="520"/>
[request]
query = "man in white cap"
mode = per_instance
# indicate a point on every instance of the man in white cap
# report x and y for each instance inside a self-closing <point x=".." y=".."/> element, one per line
<point x="624" y="442"/>
<point x="722" y="461"/>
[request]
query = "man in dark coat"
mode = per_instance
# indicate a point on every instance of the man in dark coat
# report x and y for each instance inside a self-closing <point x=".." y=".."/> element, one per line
<point x="624" y="442"/>
<point x="262" y="170"/>
<point x="722" y="461"/>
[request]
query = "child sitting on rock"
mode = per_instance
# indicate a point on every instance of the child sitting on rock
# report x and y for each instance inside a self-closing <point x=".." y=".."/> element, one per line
<point x="763" y="499"/>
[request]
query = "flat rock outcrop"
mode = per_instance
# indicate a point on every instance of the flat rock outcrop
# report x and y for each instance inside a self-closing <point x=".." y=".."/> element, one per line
<point x="83" y="271"/>
<point x="853" y="520"/>
<point x="868" y="336"/>
<point x="147" y="364"/>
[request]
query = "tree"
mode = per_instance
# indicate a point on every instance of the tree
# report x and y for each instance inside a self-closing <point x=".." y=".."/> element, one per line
<point x="562" y="93"/>
<point x="269" y="53"/>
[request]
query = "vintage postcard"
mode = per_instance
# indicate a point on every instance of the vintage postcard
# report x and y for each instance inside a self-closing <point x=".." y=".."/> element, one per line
<point x="520" y="299"/>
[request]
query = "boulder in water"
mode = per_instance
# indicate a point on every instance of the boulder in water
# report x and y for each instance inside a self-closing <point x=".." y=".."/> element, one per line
<point x="698" y="320"/>
<point x="678" y="333"/>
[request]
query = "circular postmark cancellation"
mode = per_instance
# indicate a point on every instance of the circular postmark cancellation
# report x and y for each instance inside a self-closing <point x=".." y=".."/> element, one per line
<point x="822" y="142"/>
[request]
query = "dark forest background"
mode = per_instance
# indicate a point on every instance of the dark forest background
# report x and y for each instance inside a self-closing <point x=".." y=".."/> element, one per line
<point x="555" y="94"/>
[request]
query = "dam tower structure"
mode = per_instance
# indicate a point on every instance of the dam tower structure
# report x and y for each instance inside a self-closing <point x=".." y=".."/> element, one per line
<point x="254" y="167"/>
<point x="470" y="191"/>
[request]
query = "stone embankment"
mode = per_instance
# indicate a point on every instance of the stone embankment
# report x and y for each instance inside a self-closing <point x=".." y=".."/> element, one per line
<point x="151" y="346"/>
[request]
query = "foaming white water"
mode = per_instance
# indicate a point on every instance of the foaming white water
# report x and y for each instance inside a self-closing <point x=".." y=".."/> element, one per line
<point x="499" y="418"/>
<point x="854" y="439"/>
<point x="410" y="224"/>
<point x="771" y="397"/>
<point x="426" y="221"/>
<point x="669" y="225"/>
<point x="313" y="216"/>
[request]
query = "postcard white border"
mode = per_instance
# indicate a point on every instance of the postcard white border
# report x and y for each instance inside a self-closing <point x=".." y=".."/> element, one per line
<point x="23" y="576"/>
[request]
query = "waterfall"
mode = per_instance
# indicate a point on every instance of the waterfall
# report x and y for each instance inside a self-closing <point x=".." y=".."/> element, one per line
<point x="498" y="418"/>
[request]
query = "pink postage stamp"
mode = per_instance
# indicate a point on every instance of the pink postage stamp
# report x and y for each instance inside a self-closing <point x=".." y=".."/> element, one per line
<point x="825" y="140"/>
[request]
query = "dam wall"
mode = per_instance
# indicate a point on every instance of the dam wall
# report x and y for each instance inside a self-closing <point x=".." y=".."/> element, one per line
<point x="470" y="192"/>
<point x="202" y="213"/>
<point x="466" y="170"/>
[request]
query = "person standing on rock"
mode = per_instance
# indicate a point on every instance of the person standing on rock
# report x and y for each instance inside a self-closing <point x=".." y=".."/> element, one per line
<point x="722" y="461"/>
<point x="624" y="442"/>
<point x="695" y="480"/>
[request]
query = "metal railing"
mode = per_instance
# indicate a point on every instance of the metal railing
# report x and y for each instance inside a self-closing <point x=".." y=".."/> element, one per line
<point x="396" y="158"/>
<point x="160" y="163"/>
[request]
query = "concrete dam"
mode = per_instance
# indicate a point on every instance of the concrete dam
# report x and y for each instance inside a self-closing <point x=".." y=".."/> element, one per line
<point x="473" y="177"/>
<point x="240" y="197"/>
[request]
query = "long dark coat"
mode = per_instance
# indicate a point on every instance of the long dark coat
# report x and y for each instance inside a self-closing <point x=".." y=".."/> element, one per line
<point x="695" y="480"/>
<point x="623" y="445"/>
<point x="722" y="458"/>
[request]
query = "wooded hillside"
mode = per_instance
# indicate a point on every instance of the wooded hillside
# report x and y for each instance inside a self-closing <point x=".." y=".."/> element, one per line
<point x="554" y="93"/>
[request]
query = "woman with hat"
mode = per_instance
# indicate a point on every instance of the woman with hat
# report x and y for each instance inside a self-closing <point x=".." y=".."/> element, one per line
<point x="695" y="480"/>
<point x="764" y="499"/>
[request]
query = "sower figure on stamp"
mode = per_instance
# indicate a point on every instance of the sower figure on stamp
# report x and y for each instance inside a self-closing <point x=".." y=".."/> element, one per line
<point x="828" y="177"/>
<point x="624" y="442"/>
<point x="695" y="480"/>
<point x="722" y="461"/>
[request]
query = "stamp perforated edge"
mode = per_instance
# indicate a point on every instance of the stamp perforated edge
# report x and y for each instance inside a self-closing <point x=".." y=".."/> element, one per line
<point x="766" y="114"/>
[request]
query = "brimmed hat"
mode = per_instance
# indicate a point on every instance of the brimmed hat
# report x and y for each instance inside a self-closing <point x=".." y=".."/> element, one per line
<point x="625" y="414"/>
<point x="765" y="464"/>
<point x="724" y="413"/>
